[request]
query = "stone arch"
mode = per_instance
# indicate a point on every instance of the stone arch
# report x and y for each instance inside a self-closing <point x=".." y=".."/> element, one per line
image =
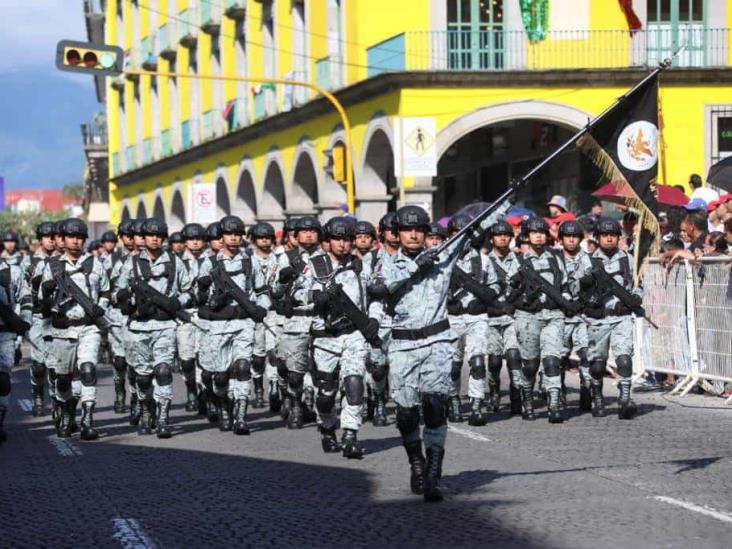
<point x="159" y="205"/>
<point x="272" y="204"/>
<point x="125" y="215"/>
<point x="177" y="216"/>
<point x="223" y="202"/>
<point x="303" y="193"/>
<point x="141" y="210"/>
<point x="377" y="189"/>
<point x="245" y="200"/>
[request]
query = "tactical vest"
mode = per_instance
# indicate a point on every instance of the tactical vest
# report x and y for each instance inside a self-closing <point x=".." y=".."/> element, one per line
<point x="604" y="294"/>
<point x="531" y="302"/>
<point x="142" y="269"/>
<point x="295" y="259"/>
<point x="245" y="268"/>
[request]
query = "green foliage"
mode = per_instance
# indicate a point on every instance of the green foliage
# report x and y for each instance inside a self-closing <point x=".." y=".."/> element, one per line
<point x="73" y="190"/>
<point x="25" y="223"/>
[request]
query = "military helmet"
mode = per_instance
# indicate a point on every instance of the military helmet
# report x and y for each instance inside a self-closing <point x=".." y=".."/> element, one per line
<point x="290" y="224"/>
<point x="412" y="217"/>
<point x="154" y="227"/>
<point x="136" y="227"/>
<point x="213" y="231"/>
<point x="125" y="228"/>
<point x="308" y="223"/>
<point x="365" y="227"/>
<point x="501" y="228"/>
<point x="46" y="228"/>
<point x="437" y="230"/>
<point x="387" y="222"/>
<point x="536" y="224"/>
<point x="93" y="245"/>
<point x="74" y="227"/>
<point x="261" y="229"/>
<point x="457" y="222"/>
<point x="339" y="227"/>
<point x="571" y="228"/>
<point x="175" y="238"/>
<point x="23" y="244"/>
<point x="605" y="225"/>
<point x="232" y="224"/>
<point x="10" y="236"/>
<point x="193" y="231"/>
<point x="109" y="236"/>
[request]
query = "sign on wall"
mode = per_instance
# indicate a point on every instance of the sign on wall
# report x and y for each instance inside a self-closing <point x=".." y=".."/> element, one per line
<point x="203" y="198"/>
<point x="415" y="153"/>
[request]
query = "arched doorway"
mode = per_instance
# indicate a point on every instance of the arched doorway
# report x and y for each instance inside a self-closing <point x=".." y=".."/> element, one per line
<point x="245" y="203"/>
<point x="223" y="205"/>
<point x="177" y="212"/>
<point x="304" y="195"/>
<point x="125" y="213"/>
<point x="141" y="209"/>
<point x="159" y="209"/>
<point x="377" y="177"/>
<point x="272" y="205"/>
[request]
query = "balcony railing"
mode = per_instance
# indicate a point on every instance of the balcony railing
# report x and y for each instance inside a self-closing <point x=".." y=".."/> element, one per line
<point x="495" y="49"/>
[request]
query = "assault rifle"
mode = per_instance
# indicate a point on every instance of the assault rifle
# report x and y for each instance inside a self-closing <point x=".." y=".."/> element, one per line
<point x="15" y="323"/>
<point x="340" y="302"/>
<point x="226" y="284"/>
<point x="146" y="293"/>
<point x="540" y="283"/>
<point x="611" y="285"/>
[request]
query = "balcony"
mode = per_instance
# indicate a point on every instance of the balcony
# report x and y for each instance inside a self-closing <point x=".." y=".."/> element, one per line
<point x="168" y="41"/>
<point x="328" y="73"/>
<point x="188" y="28"/>
<point x="210" y="17"/>
<point x="147" y="54"/>
<point x="235" y="9"/>
<point x="130" y="158"/>
<point x="189" y="134"/>
<point x="496" y="50"/>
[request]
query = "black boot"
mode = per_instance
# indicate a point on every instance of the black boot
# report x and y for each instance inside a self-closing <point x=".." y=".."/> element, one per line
<point x="351" y="448"/>
<point x="223" y="408"/>
<point x="258" y="392"/>
<point x="275" y="402"/>
<point x="135" y="409"/>
<point x="433" y="473"/>
<point x="295" y="417"/>
<point x="379" y="410"/>
<point x="240" y="417"/>
<point x="527" y="402"/>
<point x="541" y="390"/>
<point x="57" y="410"/>
<point x="286" y="403"/>
<point x="329" y="441"/>
<point x="191" y="396"/>
<point x="627" y="409"/>
<point x="494" y="392"/>
<point x="202" y="403"/>
<point x="37" y="410"/>
<point x="416" y="465"/>
<point x="556" y="414"/>
<point x="453" y="410"/>
<point x="308" y="401"/>
<point x="212" y="407"/>
<point x="598" y="401"/>
<point x="68" y="409"/>
<point x="120" y="396"/>
<point x="515" y="391"/>
<point x="144" y="426"/>
<point x="162" y="419"/>
<point x="585" y="401"/>
<point x="369" y="409"/>
<point x="3" y="434"/>
<point x="478" y="416"/>
<point x="74" y="402"/>
<point x="88" y="432"/>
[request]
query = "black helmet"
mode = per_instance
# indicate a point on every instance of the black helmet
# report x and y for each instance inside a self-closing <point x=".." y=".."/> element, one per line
<point x="605" y="225"/>
<point x="387" y="222"/>
<point x="213" y="231"/>
<point x="94" y="245"/>
<point x="192" y="231"/>
<point x="109" y="236"/>
<point x="57" y="228"/>
<point x="408" y="217"/>
<point x="536" y="224"/>
<point x="522" y="239"/>
<point x="136" y="227"/>
<point x="261" y="229"/>
<point x="23" y="244"/>
<point x="47" y="228"/>
<point x="290" y="224"/>
<point x="437" y="230"/>
<point x="125" y="228"/>
<point x="308" y="223"/>
<point x="10" y="236"/>
<point x="175" y="237"/>
<point x="571" y="228"/>
<point x="74" y="227"/>
<point x="154" y="227"/>
<point x="232" y="224"/>
<point x="501" y="228"/>
<point x="339" y="227"/>
<point x="364" y="227"/>
<point x="457" y="222"/>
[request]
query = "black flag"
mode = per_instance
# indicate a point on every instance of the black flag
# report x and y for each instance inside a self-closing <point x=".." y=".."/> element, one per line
<point x="623" y="145"/>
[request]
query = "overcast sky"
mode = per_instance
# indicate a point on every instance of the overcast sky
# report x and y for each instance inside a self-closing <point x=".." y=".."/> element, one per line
<point x="41" y="108"/>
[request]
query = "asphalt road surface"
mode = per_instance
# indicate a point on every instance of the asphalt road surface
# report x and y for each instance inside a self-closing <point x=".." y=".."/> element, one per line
<point x="661" y="480"/>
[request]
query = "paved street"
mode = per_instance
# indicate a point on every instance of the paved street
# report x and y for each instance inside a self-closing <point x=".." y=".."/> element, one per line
<point x="663" y="480"/>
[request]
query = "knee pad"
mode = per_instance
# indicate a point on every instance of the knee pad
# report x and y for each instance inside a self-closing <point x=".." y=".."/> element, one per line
<point x="258" y="364"/>
<point x="163" y="373"/>
<point x="5" y="384"/>
<point x="221" y="379"/>
<point x="325" y="402"/>
<point x="552" y="366"/>
<point x="477" y="367"/>
<point x="188" y="366"/>
<point x="407" y="419"/>
<point x="207" y="379"/>
<point x="295" y="381"/>
<point x="625" y="365"/>
<point x="513" y="359"/>
<point x="530" y="367"/>
<point x="120" y="364"/>
<point x="378" y="371"/>
<point x="272" y="357"/>
<point x="282" y="368"/>
<point x="494" y="364"/>
<point x="582" y="354"/>
<point x="88" y="374"/>
<point x="455" y="371"/>
<point x="63" y="383"/>
<point x="597" y="369"/>
<point x="144" y="382"/>
<point x="326" y="381"/>
<point x="434" y="409"/>
<point x="353" y="386"/>
<point x="241" y="369"/>
<point x="38" y="370"/>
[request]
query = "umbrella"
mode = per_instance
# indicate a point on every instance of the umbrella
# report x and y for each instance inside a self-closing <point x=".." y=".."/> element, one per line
<point x="667" y="195"/>
<point x="720" y="174"/>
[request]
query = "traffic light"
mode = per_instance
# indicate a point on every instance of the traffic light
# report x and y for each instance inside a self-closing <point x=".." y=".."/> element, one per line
<point x="339" y="163"/>
<point x="98" y="59"/>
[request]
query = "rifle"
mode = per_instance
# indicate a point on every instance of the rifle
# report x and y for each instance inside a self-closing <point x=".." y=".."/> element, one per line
<point x="226" y="284"/>
<point x="340" y="302"/>
<point x="624" y="296"/>
<point x="540" y="283"/>
<point x="13" y="321"/>
<point x="145" y="292"/>
<point x="481" y="291"/>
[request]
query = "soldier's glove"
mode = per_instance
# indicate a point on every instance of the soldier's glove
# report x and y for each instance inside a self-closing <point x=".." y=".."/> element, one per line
<point x="48" y="288"/>
<point x="371" y="331"/>
<point x="378" y="290"/>
<point x="320" y="301"/>
<point x="620" y="309"/>
<point x="595" y="312"/>
<point x="20" y="327"/>
<point x="174" y="304"/>
<point x="123" y="296"/>
<point x="258" y="314"/>
<point x="96" y="312"/>
<point x="476" y="307"/>
<point x="287" y="275"/>
<point x="507" y="308"/>
<point x="283" y="307"/>
<point x="587" y="281"/>
<point x="454" y="308"/>
<point x="217" y="301"/>
<point x="636" y="301"/>
<point x="427" y="259"/>
<point x="516" y="282"/>
<point x="573" y="308"/>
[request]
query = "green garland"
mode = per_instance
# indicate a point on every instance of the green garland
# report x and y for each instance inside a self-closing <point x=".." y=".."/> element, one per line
<point x="535" y="16"/>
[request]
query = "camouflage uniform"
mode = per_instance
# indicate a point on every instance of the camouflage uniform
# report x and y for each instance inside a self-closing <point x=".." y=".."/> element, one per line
<point x="39" y="327"/>
<point x="118" y="335"/>
<point x="188" y="338"/>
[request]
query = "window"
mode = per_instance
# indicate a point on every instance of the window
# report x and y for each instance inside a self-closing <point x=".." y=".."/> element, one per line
<point x="673" y="23"/>
<point x="475" y="34"/>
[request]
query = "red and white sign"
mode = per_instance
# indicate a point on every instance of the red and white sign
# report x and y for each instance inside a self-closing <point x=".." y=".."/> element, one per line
<point x="204" y="202"/>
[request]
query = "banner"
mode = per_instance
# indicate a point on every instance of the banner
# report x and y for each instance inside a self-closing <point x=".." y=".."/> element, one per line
<point x="415" y="153"/>
<point x="203" y="198"/>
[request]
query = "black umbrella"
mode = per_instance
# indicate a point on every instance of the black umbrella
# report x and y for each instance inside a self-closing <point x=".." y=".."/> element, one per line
<point x="720" y="175"/>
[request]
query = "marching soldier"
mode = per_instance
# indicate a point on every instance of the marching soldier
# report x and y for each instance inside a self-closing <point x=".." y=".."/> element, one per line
<point x="109" y="245"/>
<point x="436" y="235"/>
<point x="176" y="243"/>
<point x="365" y="239"/>
<point x="11" y="254"/>
<point x="214" y="239"/>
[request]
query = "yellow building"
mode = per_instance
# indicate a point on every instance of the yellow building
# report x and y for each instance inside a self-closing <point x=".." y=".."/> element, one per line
<point x="505" y="82"/>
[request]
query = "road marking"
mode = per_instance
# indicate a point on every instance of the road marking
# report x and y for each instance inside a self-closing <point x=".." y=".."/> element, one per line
<point x="130" y="535"/>
<point x="65" y="447"/>
<point x="701" y="509"/>
<point x="25" y="404"/>
<point x="467" y="433"/>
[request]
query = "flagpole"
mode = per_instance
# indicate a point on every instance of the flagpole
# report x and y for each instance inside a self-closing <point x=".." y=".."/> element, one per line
<point x="515" y="186"/>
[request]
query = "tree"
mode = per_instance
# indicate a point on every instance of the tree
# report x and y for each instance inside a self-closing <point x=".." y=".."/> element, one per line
<point x="25" y="223"/>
